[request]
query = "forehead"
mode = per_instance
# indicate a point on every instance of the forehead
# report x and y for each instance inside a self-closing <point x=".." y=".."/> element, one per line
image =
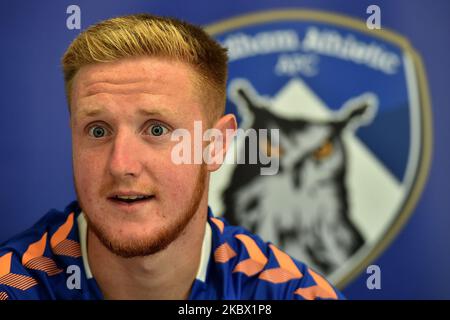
<point x="134" y="77"/>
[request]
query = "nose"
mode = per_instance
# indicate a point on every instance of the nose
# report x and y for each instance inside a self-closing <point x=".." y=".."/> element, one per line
<point x="125" y="158"/>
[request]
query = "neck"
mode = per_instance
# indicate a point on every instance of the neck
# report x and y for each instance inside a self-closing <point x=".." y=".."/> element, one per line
<point x="168" y="274"/>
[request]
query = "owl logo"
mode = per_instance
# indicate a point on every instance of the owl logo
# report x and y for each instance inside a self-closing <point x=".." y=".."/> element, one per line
<point x="303" y="209"/>
<point x="348" y="124"/>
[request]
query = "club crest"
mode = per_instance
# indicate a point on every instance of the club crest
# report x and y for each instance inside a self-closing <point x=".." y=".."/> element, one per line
<point x="351" y="106"/>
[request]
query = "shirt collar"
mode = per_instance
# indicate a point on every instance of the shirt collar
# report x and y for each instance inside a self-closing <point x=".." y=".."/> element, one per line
<point x="204" y="258"/>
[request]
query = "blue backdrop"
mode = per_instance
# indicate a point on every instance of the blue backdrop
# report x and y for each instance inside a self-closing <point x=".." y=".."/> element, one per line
<point x="35" y="154"/>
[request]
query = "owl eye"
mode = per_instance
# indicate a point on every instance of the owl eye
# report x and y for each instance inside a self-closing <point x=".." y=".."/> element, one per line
<point x="324" y="151"/>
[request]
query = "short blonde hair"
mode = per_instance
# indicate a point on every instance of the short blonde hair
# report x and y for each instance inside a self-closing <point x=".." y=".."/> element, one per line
<point x="149" y="35"/>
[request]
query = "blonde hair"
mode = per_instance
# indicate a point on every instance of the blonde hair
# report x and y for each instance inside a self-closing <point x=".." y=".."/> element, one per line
<point x="149" y="35"/>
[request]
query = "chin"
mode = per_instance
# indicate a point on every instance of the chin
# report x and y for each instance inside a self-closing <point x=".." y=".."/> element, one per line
<point x="134" y="239"/>
<point x="131" y="244"/>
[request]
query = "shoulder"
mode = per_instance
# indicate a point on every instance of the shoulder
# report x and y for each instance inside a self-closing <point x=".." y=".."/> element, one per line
<point x="33" y="262"/>
<point x="255" y="269"/>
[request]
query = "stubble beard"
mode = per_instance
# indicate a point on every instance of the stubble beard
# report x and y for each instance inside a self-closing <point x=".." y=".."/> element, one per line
<point x="150" y="244"/>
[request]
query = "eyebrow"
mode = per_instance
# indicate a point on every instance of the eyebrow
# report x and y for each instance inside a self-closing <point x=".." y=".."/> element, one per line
<point x="93" y="112"/>
<point x="90" y="112"/>
<point x="145" y="112"/>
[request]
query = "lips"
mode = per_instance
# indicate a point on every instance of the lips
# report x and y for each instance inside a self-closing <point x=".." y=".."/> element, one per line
<point x="130" y="197"/>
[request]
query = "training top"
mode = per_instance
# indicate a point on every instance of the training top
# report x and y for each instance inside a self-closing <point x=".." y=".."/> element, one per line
<point x="49" y="261"/>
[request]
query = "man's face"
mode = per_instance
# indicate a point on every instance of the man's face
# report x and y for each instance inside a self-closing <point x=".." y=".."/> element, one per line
<point x="122" y="116"/>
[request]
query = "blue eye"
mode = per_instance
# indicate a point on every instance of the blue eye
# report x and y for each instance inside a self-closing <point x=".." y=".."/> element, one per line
<point x="158" y="130"/>
<point x="97" y="132"/>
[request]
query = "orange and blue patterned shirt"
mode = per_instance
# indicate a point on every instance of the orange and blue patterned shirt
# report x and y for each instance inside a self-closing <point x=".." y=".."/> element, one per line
<point x="41" y="263"/>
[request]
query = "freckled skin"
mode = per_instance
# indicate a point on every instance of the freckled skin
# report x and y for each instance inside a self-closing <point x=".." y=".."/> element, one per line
<point x="129" y="157"/>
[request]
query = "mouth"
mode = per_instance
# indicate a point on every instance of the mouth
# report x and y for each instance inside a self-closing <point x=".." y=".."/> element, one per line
<point x="131" y="200"/>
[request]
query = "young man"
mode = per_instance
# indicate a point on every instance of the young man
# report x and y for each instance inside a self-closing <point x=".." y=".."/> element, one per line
<point x="141" y="227"/>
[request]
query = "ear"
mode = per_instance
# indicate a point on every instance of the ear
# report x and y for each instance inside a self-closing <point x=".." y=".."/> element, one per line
<point x="220" y="137"/>
<point x="247" y="100"/>
<point x="360" y="111"/>
<point x="242" y="93"/>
